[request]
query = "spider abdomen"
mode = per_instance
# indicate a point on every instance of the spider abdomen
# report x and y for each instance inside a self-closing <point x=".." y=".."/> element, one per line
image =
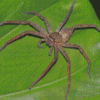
<point x="66" y="34"/>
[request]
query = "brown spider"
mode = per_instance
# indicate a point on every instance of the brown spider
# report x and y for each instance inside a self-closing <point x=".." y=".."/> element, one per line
<point x="57" y="40"/>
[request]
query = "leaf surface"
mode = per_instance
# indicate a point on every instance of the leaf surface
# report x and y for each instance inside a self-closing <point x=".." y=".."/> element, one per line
<point x="22" y="62"/>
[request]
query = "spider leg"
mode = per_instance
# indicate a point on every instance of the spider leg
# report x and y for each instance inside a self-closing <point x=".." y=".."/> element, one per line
<point x="69" y="45"/>
<point x="85" y="26"/>
<point x="50" y="51"/>
<point x="24" y="23"/>
<point x="47" y="69"/>
<point x="69" y="64"/>
<point x="41" y="17"/>
<point x="21" y="35"/>
<point x="65" y="19"/>
<point x="39" y="43"/>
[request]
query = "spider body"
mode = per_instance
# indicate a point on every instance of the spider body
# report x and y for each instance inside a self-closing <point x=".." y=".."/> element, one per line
<point x="66" y="33"/>
<point x="56" y="40"/>
<point x="56" y="37"/>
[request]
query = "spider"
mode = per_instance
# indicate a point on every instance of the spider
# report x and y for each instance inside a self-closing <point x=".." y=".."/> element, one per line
<point x="56" y="40"/>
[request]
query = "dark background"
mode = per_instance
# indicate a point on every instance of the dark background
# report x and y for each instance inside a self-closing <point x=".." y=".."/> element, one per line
<point x="96" y="6"/>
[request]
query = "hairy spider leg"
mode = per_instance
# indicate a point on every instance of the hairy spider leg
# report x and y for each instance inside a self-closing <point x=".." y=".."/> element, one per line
<point x="45" y="21"/>
<point x="24" y="23"/>
<point x="85" y="26"/>
<point x="39" y="43"/>
<point x="50" y="51"/>
<point x="69" y="65"/>
<point x="43" y="18"/>
<point x="69" y="45"/>
<point x="48" y="68"/>
<point x="65" y="19"/>
<point x="21" y="35"/>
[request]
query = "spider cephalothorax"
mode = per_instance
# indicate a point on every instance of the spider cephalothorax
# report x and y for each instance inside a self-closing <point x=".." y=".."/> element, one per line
<point x="54" y="39"/>
<point x="57" y="40"/>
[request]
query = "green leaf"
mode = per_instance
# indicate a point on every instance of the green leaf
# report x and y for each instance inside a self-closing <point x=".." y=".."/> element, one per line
<point x="22" y="62"/>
